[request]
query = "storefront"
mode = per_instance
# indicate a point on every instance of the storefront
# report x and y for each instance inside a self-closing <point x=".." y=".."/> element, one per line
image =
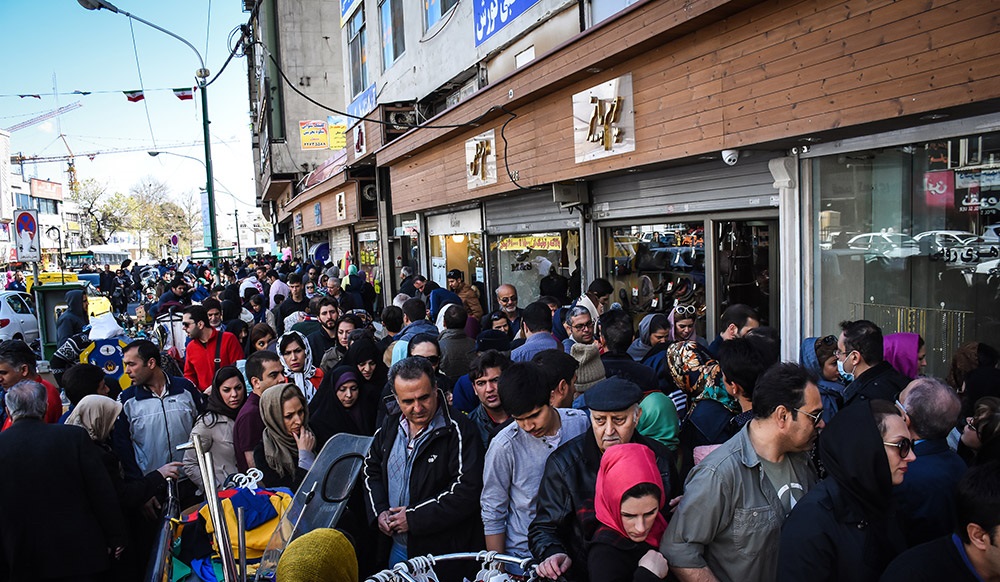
<point x="368" y="253"/>
<point x="530" y="237"/>
<point x="455" y="241"/>
<point x="696" y="236"/>
<point x="904" y="231"/>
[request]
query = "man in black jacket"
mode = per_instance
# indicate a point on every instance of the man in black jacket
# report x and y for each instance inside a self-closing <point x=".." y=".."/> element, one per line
<point x="565" y="517"/>
<point x="860" y="354"/>
<point x="436" y="509"/>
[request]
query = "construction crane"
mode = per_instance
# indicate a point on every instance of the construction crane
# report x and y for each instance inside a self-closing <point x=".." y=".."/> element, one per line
<point x="44" y="117"/>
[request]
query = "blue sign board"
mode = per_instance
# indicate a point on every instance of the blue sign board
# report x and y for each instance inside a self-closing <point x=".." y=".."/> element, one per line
<point x="362" y="105"/>
<point x="346" y="9"/>
<point x="492" y="15"/>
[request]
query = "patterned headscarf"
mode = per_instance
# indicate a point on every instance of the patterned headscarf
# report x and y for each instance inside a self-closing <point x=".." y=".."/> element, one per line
<point x="696" y="373"/>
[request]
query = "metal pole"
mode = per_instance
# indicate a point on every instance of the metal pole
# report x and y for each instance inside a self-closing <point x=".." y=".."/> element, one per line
<point x="236" y="215"/>
<point x="209" y="180"/>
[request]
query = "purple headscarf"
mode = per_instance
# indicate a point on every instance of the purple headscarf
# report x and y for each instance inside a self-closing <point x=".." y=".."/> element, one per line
<point x="670" y="319"/>
<point x="900" y="350"/>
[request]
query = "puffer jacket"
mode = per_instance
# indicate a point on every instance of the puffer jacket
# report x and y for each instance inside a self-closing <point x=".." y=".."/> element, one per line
<point x="470" y="298"/>
<point x="149" y="428"/>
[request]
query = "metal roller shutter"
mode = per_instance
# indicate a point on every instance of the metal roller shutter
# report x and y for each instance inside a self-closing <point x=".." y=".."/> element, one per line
<point x="535" y="212"/>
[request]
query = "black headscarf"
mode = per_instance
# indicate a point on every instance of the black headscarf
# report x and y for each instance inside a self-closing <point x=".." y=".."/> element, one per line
<point x="852" y="451"/>
<point x="214" y="403"/>
<point x="979" y="383"/>
<point x="231" y="309"/>
<point x="327" y="415"/>
<point x="362" y="350"/>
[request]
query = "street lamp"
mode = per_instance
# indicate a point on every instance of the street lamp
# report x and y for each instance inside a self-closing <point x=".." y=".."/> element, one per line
<point x="201" y="75"/>
<point x="55" y="234"/>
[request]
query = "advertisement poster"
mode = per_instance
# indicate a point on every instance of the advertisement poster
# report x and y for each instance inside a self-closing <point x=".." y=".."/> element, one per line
<point x="313" y="135"/>
<point x="337" y="129"/>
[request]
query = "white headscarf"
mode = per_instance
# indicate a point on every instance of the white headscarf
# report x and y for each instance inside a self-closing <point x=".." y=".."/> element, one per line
<point x="300" y="379"/>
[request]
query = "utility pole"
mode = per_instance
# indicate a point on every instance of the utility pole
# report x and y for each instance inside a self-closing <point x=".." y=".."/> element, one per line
<point x="236" y="215"/>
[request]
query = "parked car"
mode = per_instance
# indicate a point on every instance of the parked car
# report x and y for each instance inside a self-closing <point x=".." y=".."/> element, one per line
<point x="991" y="234"/>
<point x="946" y="239"/>
<point x="17" y="317"/>
<point x="888" y="245"/>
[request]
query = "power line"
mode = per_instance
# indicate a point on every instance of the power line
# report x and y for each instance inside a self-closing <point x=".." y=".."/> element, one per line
<point x="145" y="104"/>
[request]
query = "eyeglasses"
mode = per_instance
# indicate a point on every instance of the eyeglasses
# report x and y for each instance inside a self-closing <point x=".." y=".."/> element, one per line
<point x="583" y="326"/>
<point x="901" y="408"/>
<point x="511" y="299"/>
<point x="815" y="417"/>
<point x="905" y="445"/>
<point x="837" y="353"/>
<point x="685" y="310"/>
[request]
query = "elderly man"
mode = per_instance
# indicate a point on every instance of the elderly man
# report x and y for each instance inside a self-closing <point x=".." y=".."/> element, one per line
<point x="507" y="298"/>
<point x="728" y="524"/>
<point x="926" y="499"/>
<point x="423" y="473"/>
<point x="565" y="517"/>
<point x="61" y="520"/>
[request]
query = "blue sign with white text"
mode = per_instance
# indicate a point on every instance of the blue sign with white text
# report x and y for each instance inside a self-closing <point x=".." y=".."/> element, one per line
<point x="362" y="105"/>
<point x="492" y="15"/>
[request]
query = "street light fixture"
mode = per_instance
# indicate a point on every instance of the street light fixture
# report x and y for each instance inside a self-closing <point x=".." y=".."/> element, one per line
<point x="201" y="75"/>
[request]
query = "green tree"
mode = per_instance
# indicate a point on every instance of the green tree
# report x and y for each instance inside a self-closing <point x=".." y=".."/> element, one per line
<point x="104" y="213"/>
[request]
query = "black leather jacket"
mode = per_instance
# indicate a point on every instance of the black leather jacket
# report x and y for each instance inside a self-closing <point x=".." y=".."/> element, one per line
<point x="880" y="382"/>
<point x="565" y="518"/>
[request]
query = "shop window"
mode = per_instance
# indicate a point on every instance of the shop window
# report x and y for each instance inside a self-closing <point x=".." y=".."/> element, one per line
<point x="435" y="9"/>
<point x="391" y="20"/>
<point x="907" y="238"/>
<point x="462" y="251"/>
<point x="357" y="51"/>
<point x="655" y="267"/>
<point x="601" y="10"/>
<point x="526" y="261"/>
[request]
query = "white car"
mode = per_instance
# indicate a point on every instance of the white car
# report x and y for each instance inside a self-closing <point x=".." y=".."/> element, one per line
<point x="991" y="234"/>
<point x="17" y="316"/>
<point x="887" y="245"/>
<point x="947" y="239"/>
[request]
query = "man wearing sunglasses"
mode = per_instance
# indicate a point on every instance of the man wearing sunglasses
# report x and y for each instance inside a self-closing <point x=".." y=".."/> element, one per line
<point x="925" y="500"/>
<point x="860" y="359"/>
<point x="728" y="523"/>
<point x="507" y="298"/>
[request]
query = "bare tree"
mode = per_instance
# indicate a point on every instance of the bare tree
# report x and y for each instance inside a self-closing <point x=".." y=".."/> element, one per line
<point x="104" y="213"/>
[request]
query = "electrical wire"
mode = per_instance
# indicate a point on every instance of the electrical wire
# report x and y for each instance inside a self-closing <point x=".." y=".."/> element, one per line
<point x="208" y="28"/>
<point x="145" y="104"/>
<point x="503" y="129"/>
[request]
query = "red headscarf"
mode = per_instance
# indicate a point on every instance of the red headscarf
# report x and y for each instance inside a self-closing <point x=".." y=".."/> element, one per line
<point x="623" y="467"/>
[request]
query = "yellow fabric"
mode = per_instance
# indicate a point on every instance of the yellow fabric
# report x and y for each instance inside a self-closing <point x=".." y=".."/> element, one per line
<point x="257" y="537"/>
<point x="322" y="555"/>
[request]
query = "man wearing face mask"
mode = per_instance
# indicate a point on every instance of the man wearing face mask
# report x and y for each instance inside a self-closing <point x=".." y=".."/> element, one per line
<point x="860" y="362"/>
<point x="565" y="516"/>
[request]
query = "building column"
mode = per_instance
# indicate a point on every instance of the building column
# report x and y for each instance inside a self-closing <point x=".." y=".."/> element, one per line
<point x="795" y="283"/>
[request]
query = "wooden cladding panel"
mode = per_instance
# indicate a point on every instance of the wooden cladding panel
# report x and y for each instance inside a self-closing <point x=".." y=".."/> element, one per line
<point x="777" y="70"/>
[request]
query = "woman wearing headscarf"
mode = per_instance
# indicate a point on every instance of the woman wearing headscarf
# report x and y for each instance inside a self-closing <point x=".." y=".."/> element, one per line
<point x="285" y="453"/>
<point x="980" y="440"/>
<point x="342" y="407"/>
<point x="845" y="528"/>
<point x="295" y="354"/>
<point x="712" y="408"/>
<point x="365" y="357"/>
<point x="654" y="329"/>
<point x="906" y="353"/>
<point x="628" y="500"/>
<point x="818" y="355"/>
<point x="214" y="427"/>
<point x="97" y="415"/>
<point x="682" y="319"/>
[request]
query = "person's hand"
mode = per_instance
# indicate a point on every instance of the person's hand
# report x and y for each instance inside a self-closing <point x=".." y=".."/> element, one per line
<point x="397" y="520"/>
<point x="655" y="563"/>
<point x="673" y="503"/>
<point x="151" y="509"/>
<point x="170" y="470"/>
<point x="554" y="566"/>
<point x="305" y="440"/>
<point x="383" y="523"/>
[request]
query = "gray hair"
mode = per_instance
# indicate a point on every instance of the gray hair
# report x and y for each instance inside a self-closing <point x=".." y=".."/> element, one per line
<point x="26" y="399"/>
<point x="400" y="299"/>
<point x="406" y="271"/>
<point x="410" y="368"/>
<point x="933" y="408"/>
<point x="575" y="311"/>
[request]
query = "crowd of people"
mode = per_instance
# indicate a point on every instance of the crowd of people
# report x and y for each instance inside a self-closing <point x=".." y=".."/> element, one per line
<point x="561" y="433"/>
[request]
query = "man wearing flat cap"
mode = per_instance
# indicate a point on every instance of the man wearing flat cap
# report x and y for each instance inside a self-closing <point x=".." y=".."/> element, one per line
<point x="565" y="507"/>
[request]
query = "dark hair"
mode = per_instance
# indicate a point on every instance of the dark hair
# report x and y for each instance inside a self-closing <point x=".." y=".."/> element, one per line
<point x="783" y="384"/>
<point x="557" y="365"/>
<point x="882" y="409"/>
<point x="324" y="301"/>
<point x="486" y="360"/>
<point x="865" y="338"/>
<point x="294" y="279"/>
<point x="660" y="322"/>
<point x="289" y="338"/>
<point x="410" y="368"/>
<point x="927" y="403"/>
<point x="523" y="388"/>
<point x="978" y="500"/>
<point x="767" y="341"/>
<point x="16" y="353"/>
<point x="826" y="348"/>
<point x="146" y="350"/>
<point x="455" y="317"/>
<point x="550" y="301"/>
<point x="737" y="314"/>
<point x="742" y="363"/>
<point x="615" y="327"/>
<point x="312" y="308"/>
<point x="351" y="319"/>
<point x="80" y="380"/>
<point x="422" y="338"/>
<point x="414" y="309"/>
<point x="642" y="490"/>
<point x="270" y="273"/>
<point x="537" y="317"/>
<point x="211" y="303"/>
<point x="600" y="287"/>
<point x="258" y="331"/>
<point x="255" y="363"/>
<point x="214" y="405"/>
<point x="392" y="318"/>
<point x="419" y="279"/>
<point x="987" y="355"/>
<point x="197" y="313"/>
<point x="177" y="282"/>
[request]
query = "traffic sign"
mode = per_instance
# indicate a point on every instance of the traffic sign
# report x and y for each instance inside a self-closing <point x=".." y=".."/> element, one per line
<point x="26" y="236"/>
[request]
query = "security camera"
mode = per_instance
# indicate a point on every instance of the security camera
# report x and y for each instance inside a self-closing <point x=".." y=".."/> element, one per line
<point x="730" y="157"/>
